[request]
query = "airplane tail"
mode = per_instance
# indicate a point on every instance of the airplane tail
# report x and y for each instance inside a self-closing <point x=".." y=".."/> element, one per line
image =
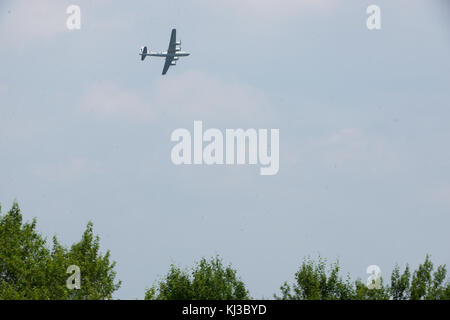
<point x="143" y="53"/>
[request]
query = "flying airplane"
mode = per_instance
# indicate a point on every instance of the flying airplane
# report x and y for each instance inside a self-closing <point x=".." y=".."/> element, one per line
<point x="172" y="54"/>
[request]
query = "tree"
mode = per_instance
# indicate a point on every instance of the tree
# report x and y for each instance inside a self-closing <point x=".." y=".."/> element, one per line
<point x="362" y="292"/>
<point x="429" y="285"/>
<point x="208" y="280"/>
<point x="29" y="269"/>
<point x="314" y="282"/>
<point x="424" y="284"/>
<point x="400" y="284"/>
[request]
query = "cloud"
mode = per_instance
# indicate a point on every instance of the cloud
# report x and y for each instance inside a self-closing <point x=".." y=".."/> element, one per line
<point x="33" y="20"/>
<point x="189" y="95"/>
<point x="351" y="147"/>
<point x="25" y="22"/>
<point x="270" y="9"/>
<point x="108" y="99"/>
<point x="348" y="149"/>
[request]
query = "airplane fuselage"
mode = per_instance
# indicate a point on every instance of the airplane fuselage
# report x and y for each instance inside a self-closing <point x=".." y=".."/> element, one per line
<point x="168" y="54"/>
<point x="172" y="54"/>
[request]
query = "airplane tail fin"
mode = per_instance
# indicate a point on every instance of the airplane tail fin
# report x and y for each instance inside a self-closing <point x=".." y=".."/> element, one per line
<point x="143" y="53"/>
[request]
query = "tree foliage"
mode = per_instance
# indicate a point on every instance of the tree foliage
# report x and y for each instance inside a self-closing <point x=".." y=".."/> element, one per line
<point x="29" y="269"/>
<point x="315" y="281"/>
<point x="425" y="283"/>
<point x="207" y="280"/>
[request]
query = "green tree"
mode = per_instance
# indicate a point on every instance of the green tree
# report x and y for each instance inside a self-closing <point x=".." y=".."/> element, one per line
<point x="314" y="282"/>
<point x="207" y="280"/>
<point x="429" y="285"/>
<point x="362" y="292"/>
<point x="400" y="284"/>
<point x="423" y="284"/>
<point x="29" y="269"/>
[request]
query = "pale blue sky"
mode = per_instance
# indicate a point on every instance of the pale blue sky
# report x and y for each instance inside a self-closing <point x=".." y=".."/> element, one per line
<point x="363" y="117"/>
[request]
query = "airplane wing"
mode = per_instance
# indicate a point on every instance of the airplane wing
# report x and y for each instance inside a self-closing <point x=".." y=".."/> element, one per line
<point x="170" y="51"/>
<point x="173" y="41"/>
<point x="167" y="64"/>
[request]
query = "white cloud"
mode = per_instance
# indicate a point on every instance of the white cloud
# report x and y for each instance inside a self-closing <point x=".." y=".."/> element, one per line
<point x="351" y="147"/>
<point x="199" y="93"/>
<point x="33" y="20"/>
<point x="191" y="94"/>
<point x="108" y="99"/>
<point x="272" y="9"/>
<point x="348" y="149"/>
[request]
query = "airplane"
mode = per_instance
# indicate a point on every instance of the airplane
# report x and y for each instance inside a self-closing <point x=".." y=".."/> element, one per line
<point x="172" y="54"/>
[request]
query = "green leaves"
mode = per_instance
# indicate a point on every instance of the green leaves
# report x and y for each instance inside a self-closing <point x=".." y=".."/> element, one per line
<point x="400" y="284"/>
<point x="429" y="285"/>
<point x="208" y="280"/>
<point x="97" y="271"/>
<point x="315" y="281"/>
<point x="31" y="270"/>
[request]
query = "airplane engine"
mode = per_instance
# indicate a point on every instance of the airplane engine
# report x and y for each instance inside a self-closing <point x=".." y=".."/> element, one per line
<point x="173" y="63"/>
<point x="143" y="53"/>
<point x="178" y="43"/>
<point x="176" y="58"/>
<point x="178" y="49"/>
